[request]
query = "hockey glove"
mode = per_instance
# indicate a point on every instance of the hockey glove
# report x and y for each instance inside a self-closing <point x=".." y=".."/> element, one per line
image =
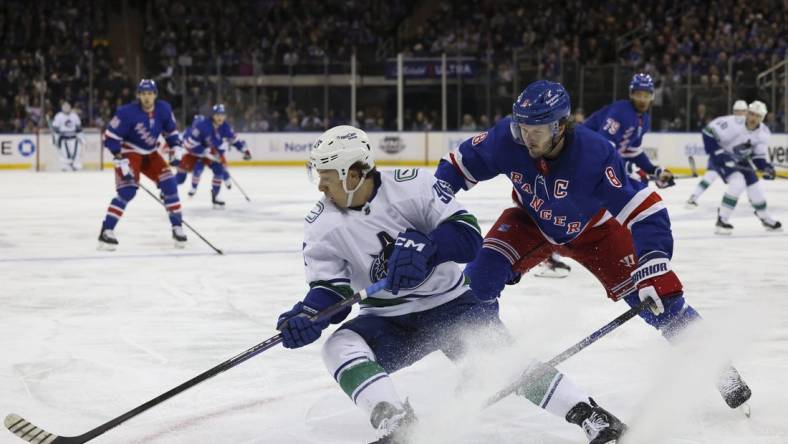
<point x="122" y="164"/>
<point x="769" y="173"/>
<point x="656" y="281"/>
<point x="177" y="155"/>
<point x="411" y="261"/>
<point x="663" y="178"/>
<point x="724" y="163"/>
<point x="295" y="324"/>
<point x="635" y="172"/>
<point x="247" y="155"/>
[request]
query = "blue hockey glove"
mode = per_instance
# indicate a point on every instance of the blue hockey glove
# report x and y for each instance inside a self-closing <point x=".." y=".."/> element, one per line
<point x="769" y="173"/>
<point x="724" y="163"/>
<point x="295" y="324"/>
<point x="410" y="261"/>
<point x="122" y="164"/>
<point x="177" y="155"/>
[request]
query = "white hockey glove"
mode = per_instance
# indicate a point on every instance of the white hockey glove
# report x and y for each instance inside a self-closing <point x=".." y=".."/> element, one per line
<point x="122" y="164"/>
<point x="177" y="155"/>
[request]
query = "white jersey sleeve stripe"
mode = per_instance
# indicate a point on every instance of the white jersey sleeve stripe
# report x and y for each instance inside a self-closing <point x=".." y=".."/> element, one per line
<point x="632" y="205"/>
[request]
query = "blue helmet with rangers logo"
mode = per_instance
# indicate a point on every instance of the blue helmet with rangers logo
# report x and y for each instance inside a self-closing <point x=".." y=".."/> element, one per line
<point x="147" y="85"/>
<point x="542" y="102"/>
<point x="218" y="109"/>
<point x="641" y="82"/>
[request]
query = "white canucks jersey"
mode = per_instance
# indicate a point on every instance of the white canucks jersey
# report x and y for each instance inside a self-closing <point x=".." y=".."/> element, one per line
<point x="351" y="247"/>
<point x="67" y="124"/>
<point x="734" y="137"/>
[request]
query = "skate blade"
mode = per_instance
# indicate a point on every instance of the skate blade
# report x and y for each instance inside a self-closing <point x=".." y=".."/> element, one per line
<point x="218" y="207"/>
<point x="180" y="244"/>
<point x="774" y="230"/>
<point x="745" y="409"/>
<point x="102" y="246"/>
<point x="555" y="274"/>
<point x="690" y="206"/>
<point x="723" y="231"/>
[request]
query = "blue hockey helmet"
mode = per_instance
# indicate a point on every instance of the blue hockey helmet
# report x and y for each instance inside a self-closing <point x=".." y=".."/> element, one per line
<point x="542" y="102"/>
<point x="147" y="85"/>
<point x="641" y="82"/>
<point x="218" y="109"/>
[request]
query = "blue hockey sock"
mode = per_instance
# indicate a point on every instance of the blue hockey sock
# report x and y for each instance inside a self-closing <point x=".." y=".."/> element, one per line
<point x="171" y="200"/>
<point x="117" y="206"/>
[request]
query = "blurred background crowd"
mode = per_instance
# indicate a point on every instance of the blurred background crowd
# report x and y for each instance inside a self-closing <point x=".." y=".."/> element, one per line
<point x="284" y="65"/>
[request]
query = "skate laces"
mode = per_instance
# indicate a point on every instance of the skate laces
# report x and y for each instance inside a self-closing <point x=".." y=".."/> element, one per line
<point x="594" y="424"/>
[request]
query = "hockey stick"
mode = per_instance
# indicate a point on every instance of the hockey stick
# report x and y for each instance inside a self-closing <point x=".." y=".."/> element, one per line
<point x="235" y="182"/>
<point x="569" y="352"/>
<point x="33" y="434"/>
<point x="183" y="221"/>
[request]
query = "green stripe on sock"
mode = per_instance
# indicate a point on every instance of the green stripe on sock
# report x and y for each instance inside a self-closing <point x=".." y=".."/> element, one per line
<point x="536" y="387"/>
<point x="353" y="377"/>
<point x="759" y="206"/>
<point x="729" y="202"/>
<point x="703" y="184"/>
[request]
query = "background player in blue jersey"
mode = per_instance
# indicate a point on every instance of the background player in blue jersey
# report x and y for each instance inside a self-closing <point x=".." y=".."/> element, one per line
<point x="132" y="137"/>
<point x="573" y="196"/>
<point x="624" y="123"/>
<point x="205" y="143"/>
<point x="406" y="227"/>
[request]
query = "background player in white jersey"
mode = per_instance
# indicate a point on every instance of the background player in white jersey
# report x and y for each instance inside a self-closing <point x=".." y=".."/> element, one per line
<point x="740" y="110"/>
<point x="737" y="148"/>
<point x="67" y="128"/>
<point x="403" y="226"/>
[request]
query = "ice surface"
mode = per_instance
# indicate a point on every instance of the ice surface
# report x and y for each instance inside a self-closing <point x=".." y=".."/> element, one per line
<point x="87" y="335"/>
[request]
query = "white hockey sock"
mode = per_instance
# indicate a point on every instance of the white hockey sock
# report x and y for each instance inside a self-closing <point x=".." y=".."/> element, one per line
<point x="552" y="390"/>
<point x="758" y="201"/>
<point x="736" y="185"/>
<point x="352" y="364"/>
<point x="704" y="183"/>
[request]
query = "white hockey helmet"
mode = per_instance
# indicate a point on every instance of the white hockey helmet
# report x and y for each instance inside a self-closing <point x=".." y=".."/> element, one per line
<point x="740" y="105"/>
<point x="338" y="149"/>
<point x="758" y="107"/>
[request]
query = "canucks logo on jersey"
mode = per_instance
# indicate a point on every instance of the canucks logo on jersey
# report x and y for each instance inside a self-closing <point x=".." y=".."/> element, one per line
<point x="378" y="268"/>
<point x="743" y="150"/>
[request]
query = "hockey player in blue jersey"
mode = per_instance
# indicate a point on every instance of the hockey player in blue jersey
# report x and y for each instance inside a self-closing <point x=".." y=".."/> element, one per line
<point x="205" y="143"/>
<point x="624" y="123"/>
<point x="573" y="196"/>
<point x="406" y="228"/>
<point x="132" y="137"/>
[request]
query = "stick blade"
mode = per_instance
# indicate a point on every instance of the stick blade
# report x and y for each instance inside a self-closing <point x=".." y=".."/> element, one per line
<point x="24" y="429"/>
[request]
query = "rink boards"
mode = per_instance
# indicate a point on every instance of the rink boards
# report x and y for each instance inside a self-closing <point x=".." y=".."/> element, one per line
<point x="37" y="151"/>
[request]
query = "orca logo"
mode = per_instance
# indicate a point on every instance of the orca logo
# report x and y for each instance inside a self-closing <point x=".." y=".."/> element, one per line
<point x="26" y="147"/>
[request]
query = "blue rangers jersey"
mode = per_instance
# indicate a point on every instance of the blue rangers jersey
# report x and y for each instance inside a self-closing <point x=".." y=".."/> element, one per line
<point x="620" y="123"/>
<point x="133" y="130"/>
<point x="203" y="135"/>
<point x="584" y="187"/>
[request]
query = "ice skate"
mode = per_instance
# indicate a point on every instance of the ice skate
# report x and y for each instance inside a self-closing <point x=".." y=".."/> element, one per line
<point x="192" y="191"/>
<point x="691" y="203"/>
<point x="723" y="227"/>
<point x="218" y="203"/>
<point x="553" y="268"/>
<point x="107" y="240"/>
<point x="601" y="426"/>
<point x="770" y="224"/>
<point x="393" y="425"/>
<point x="179" y="236"/>
<point x="734" y="390"/>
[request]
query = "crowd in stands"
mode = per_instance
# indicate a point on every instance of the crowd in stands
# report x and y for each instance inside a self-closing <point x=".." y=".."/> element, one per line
<point x="52" y="52"/>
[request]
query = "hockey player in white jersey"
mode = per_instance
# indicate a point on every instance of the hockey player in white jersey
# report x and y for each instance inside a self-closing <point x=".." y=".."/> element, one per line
<point x="67" y="128"/>
<point x="738" y="147"/>
<point x="404" y="227"/>
<point x="740" y="110"/>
